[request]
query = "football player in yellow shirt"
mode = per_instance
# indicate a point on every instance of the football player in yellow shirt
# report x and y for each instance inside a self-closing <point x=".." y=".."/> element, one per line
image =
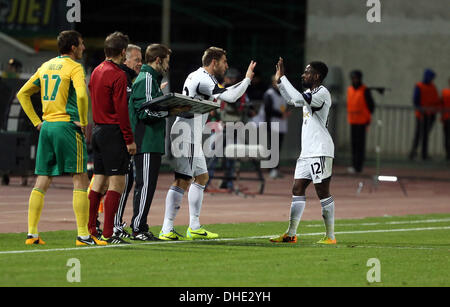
<point x="62" y="147"/>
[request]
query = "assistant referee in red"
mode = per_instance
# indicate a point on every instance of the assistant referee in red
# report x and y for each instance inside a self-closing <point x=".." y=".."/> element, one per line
<point x="112" y="137"/>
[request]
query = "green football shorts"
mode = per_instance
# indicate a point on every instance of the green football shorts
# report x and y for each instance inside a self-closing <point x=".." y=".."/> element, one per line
<point x="61" y="149"/>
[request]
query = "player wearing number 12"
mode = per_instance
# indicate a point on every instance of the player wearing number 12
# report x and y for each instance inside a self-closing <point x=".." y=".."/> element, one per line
<point x="316" y="158"/>
<point x="61" y="147"/>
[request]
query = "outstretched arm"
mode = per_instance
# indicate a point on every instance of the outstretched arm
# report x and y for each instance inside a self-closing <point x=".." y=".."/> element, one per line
<point x="298" y="99"/>
<point x="289" y="93"/>
<point x="234" y="92"/>
<point x="312" y="98"/>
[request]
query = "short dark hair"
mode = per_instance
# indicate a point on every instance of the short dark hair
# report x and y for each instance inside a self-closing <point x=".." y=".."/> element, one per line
<point x="356" y="73"/>
<point x="320" y="68"/>
<point x="67" y="39"/>
<point x="115" y="43"/>
<point x="154" y="51"/>
<point x="212" y="53"/>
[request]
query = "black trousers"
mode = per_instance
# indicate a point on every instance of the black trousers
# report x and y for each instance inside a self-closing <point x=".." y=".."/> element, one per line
<point x="147" y="167"/>
<point x="358" y="141"/>
<point x="423" y="128"/>
<point x="129" y="180"/>
<point x="447" y="137"/>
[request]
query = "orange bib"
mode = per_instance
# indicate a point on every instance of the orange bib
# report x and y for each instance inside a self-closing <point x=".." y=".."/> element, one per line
<point x="357" y="111"/>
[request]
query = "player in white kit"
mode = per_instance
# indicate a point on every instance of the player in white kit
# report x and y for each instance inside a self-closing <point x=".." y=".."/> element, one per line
<point x="186" y="137"/>
<point x="316" y="158"/>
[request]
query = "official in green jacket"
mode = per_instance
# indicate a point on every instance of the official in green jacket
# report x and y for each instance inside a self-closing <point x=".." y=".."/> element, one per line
<point x="149" y="129"/>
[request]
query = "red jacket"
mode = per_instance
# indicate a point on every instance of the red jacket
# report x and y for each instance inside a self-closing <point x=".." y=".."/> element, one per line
<point x="446" y="104"/>
<point x="108" y="88"/>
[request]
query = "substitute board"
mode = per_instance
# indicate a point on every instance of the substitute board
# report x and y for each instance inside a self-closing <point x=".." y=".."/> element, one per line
<point x="175" y="100"/>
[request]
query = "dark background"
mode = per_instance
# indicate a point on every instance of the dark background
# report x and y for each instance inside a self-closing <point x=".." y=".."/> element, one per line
<point x="260" y="30"/>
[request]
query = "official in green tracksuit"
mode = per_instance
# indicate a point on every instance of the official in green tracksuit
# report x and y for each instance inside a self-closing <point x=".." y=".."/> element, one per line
<point x="149" y="129"/>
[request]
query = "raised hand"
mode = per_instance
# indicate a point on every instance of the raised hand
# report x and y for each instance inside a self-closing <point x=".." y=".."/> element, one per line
<point x="280" y="69"/>
<point x="250" y="73"/>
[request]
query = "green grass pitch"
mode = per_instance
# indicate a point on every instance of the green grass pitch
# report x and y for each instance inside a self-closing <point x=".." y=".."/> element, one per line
<point x="412" y="251"/>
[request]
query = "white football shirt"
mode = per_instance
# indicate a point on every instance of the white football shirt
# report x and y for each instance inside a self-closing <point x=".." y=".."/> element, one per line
<point x="201" y="84"/>
<point x="316" y="140"/>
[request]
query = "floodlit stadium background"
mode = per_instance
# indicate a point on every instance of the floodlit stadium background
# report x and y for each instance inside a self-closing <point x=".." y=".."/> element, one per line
<point x="412" y="35"/>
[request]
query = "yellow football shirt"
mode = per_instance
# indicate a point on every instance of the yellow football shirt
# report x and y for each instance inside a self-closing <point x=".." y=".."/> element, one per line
<point x="63" y="92"/>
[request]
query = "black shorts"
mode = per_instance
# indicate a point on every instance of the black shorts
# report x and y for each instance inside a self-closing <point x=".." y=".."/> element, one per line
<point x="111" y="155"/>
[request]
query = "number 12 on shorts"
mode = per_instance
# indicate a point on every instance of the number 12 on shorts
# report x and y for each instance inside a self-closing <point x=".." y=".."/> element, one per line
<point x="317" y="169"/>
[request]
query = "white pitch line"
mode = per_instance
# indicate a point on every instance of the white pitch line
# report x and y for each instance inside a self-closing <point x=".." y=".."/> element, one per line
<point x="362" y="231"/>
<point x="222" y="240"/>
<point x="386" y="223"/>
<point x="399" y="247"/>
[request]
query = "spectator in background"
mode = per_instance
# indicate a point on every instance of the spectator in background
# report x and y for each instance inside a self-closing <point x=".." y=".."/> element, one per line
<point x="230" y="112"/>
<point x="13" y="70"/>
<point x="360" y="106"/>
<point x="275" y="111"/>
<point x="239" y="111"/>
<point x="426" y="103"/>
<point x="256" y="91"/>
<point x="446" y="118"/>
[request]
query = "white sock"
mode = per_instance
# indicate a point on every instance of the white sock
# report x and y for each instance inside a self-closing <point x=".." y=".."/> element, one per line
<point x="173" y="200"/>
<point x="85" y="237"/>
<point x="195" y="198"/>
<point x="33" y="235"/>
<point x="328" y="215"/>
<point x="297" y="206"/>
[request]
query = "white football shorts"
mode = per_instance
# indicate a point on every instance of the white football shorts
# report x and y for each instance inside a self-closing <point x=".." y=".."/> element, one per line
<point x="315" y="169"/>
<point x="190" y="160"/>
